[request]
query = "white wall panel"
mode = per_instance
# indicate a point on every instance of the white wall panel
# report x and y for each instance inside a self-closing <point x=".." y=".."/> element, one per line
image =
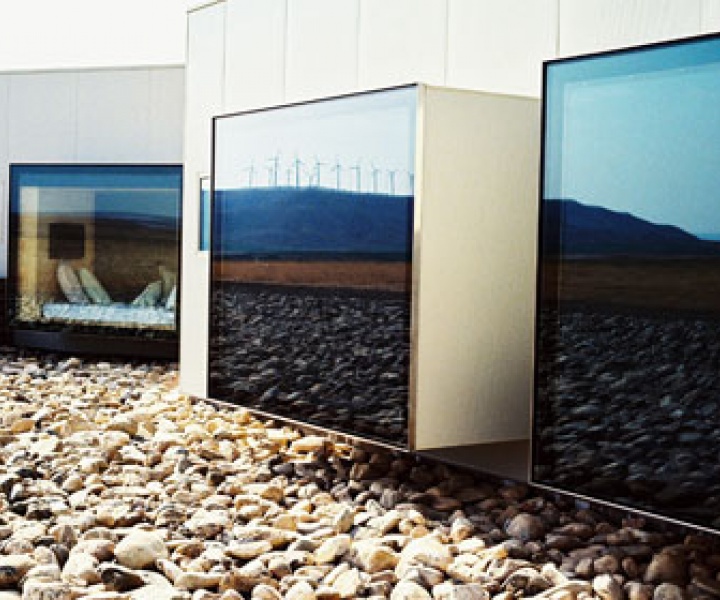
<point x="204" y="98"/>
<point x="113" y="116"/>
<point x="710" y="16"/>
<point x="42" y="118"/>
<point x="594" y="25"/>
<point x="322" y="48"/>
<point x="403" y="41"/>
<point x="254" y="53"/>
<point x="167" y="112"/>
<point x="499" y="45"/>
<point x="204" y="81"/>
<point x="4" y="121"/>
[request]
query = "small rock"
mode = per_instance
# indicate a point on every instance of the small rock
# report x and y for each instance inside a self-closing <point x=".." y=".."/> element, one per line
<point x="607" y="588"/>
<point x="373" y="558"/>
<point x="638" y="591"/>
<point x="667" y="567"/>
<point x="46" y="590"/>
<point x="311" y="443"/>
<point x="81" y="569"/>
<point x="525" y="527"/>
<point x="332" y="548"/>
<point x="428" y="551"/>
<point x="119" y="578"/>
<point x="344" y="519"/>
<point x="302" y="590"/>
<point x="140" y="549"/>
<point x="461" y="529"/>
<point x="450" y="591"/>
<point x="348" y="584"/>
<point x="198" y="580"/>
<point x="669" y="591"/>
<point x="248" y="549"/>
<point x="409" y="590"/>
<point x="13" y="568"/>
<point x="264" y="592"/>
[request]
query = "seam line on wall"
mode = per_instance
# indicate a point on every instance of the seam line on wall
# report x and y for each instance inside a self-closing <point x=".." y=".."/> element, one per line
<point x="358" y="21"/>
<point x="446" y="58"/>
<point x="223" y="70"/>
<point x="557" y="28"/>
<point x="285" y="42"/>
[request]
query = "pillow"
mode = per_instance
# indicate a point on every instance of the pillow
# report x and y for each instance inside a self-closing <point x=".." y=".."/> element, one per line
<point x="171" y="299"/>
<point x="150" y="296"/>
<point x="93" y="288"/>
<point x="169" y="279"/>
<point x="70" y="284"/>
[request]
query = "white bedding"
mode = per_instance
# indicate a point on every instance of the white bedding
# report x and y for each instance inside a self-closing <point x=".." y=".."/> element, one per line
<point x="118" y="315"/>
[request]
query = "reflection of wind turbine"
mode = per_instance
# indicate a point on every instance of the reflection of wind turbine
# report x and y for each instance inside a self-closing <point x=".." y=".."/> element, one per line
<point x="391" y="179"/>
<point x="273" y="170"/>
<point x="251" y="173"/>
<point x="297" y="163"/>
<point x="315" y="177"/>
<point x="375" y="174"/>
<point x="358" y="175"/>
<point x="337" y="169"/>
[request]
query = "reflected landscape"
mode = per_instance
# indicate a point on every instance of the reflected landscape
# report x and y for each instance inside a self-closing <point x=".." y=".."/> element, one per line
<point x="628" y="388"/>
<point x="95" y="248"/>
<point x="311" y="262"/>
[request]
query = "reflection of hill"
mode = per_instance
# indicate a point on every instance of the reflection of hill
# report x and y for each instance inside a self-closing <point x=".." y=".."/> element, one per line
<point x="317" y="222"/>
<point x="577" y="229"/>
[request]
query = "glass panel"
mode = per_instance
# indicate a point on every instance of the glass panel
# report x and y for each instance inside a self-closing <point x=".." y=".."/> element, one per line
<point x="311" y="254"/>
<point x="95" y="247"/>
<point x="205" y="208"/>
<point x="628" y="396"/>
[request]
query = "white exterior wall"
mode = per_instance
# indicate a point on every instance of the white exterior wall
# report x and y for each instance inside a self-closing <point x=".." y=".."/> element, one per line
<point x="114" y="115"/>
<point x="265" y="52"/>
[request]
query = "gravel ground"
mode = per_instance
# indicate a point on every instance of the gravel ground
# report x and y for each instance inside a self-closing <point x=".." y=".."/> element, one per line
<point x="113" y="486"/>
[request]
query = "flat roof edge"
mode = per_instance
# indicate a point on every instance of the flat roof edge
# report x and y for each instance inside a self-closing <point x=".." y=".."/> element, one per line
<point x="86" y="69"/>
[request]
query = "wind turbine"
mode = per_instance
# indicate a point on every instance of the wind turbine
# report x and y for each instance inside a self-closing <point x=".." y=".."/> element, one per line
<point x="411" y="181"/>
<point x="273" y="170"/>
<point x="375" y="174"/>
<point x="315" y="177"/>
<point x="391" y="179"/>
<point x="358" y="174"/>
<point x="297" y="164"/>
<point x="251" y="173"/>
<point x="337" y="169"/>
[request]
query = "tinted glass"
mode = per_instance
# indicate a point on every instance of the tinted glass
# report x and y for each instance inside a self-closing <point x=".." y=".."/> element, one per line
<point x="95" y="247"/>
<point x="205" y="213"/>
<point x="311" y="255"/>
<point x="628" y="390"/>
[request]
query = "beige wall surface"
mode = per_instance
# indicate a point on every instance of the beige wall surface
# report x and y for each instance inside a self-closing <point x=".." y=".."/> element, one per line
<point x="476" y="226"/>
<point x="114" y="115"/>
<point x="277" y="51"/>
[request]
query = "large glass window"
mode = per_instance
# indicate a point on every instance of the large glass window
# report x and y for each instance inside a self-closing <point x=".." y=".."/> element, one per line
<point x="95" y="247"/>
<point x="628" y="389"/>
<point x="311" y="253"/>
